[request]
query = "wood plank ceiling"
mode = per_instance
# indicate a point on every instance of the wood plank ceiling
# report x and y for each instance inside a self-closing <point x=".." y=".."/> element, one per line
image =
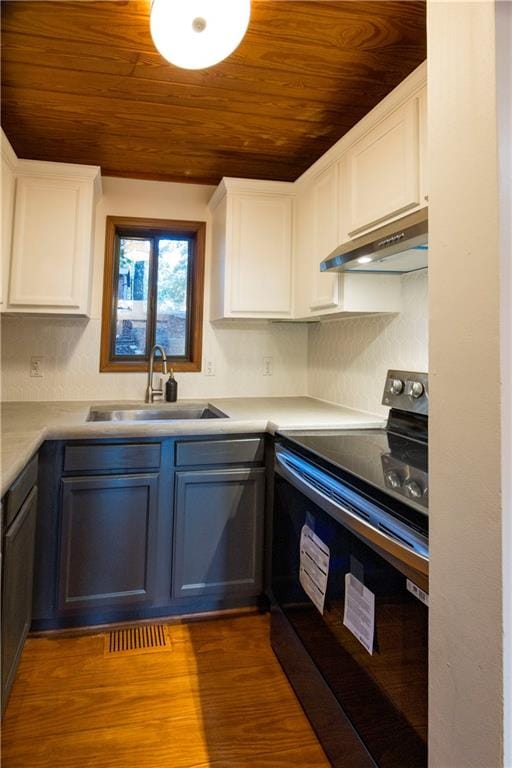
<point x="82" y="82"/>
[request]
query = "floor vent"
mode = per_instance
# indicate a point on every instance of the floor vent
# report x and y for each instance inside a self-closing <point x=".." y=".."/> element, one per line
<point x="146" y="638"/>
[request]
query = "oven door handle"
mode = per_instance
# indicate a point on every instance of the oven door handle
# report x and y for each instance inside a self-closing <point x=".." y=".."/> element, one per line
<point x="385" y="541"/>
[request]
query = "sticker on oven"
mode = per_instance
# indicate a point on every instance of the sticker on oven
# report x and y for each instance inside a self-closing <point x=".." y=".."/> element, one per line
<point x="417" y="592"/>
<point x="314" y="566"/>
<point x="359" y="613"/>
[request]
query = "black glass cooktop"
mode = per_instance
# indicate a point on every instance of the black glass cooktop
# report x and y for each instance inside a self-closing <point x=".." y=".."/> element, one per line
<point x="394" y="464"/>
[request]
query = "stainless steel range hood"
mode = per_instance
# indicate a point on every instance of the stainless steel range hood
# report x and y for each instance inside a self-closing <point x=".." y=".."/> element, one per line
<point x="398" y="248"/>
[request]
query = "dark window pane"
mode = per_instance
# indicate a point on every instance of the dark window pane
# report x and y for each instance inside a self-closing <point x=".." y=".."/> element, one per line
<point x="132" y="296"/>
<point x="172" y="292"/>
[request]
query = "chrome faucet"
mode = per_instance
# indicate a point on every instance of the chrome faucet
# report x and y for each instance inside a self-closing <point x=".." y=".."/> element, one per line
<point x="150" y="391"/>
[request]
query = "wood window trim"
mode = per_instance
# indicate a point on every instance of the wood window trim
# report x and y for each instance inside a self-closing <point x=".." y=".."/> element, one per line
<point x="197" y="228"/>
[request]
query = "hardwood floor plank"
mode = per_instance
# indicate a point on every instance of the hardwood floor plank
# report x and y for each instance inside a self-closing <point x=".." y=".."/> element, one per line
<point x="91" y="671"/>
<point x="306" y="757"/>
<point x="207" y="693"/>
<point x="180" y="744"/>
<point x="219" y="699"/>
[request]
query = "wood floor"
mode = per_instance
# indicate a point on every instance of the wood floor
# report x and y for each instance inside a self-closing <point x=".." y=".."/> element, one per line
<point x="217" y="698"/>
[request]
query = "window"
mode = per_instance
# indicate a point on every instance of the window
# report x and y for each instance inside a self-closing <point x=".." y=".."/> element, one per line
<point x="152" y="293"/>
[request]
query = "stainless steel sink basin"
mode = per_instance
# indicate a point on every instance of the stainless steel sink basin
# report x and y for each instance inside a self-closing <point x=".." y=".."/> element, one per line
<point x="150" y="413"/>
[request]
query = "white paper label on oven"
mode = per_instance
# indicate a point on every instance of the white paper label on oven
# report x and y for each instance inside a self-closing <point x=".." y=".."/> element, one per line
<point x="359" y="614"/>
<point x="417" y="592"/>
<point x="314" y="566"/>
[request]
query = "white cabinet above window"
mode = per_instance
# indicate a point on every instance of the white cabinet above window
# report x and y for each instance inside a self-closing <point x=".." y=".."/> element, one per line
<point x="252" y="249"/>
<point x="52" y="239"/>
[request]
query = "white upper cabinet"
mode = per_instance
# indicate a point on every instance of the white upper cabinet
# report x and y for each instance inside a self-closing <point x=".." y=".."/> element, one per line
<point x="372" y="175"/>
<point x="52" y="241"/>
<point x="7" y="187"/>
<point x="252" y="249"/>
<point x="317" y="233"/>
<point x="422" y="100"/>
<point x="383" y="170"/>
<point x="326" y="236"/>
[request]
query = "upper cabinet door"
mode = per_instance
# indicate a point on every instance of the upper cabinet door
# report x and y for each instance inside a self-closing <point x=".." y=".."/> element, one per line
<point x="261" y="254"/>
<point x="7" y="209"/>
<point x="423" y="146"/>
<point x="326" y="236"/>
<point x="383" y="170"/>
<point x="252" y="249"/>
<point x="52" y="240"/>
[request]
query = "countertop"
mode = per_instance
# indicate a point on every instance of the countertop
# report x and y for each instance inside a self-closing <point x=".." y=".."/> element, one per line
<point x="26" y="425"/>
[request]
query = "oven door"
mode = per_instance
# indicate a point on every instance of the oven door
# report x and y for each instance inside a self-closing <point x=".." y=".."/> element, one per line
<point x="383" y="693"/>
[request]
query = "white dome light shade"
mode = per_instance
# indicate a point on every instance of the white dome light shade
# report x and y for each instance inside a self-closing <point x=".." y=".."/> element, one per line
<point x="194" y="34"/>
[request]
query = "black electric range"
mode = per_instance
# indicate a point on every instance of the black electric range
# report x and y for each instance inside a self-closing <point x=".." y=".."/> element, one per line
<point x="350" y="580"/>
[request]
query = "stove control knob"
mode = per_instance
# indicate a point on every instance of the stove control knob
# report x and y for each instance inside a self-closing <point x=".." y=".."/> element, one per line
<point x="396" y="386"/>
<point x="393" y="479"/>
<point x="413" y="489"/>
<point x="416" y="389"/>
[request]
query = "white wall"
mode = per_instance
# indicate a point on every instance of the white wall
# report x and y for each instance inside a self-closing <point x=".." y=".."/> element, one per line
<point x="70" y="347"/>
<point x="348" y="359"/>
<point x="504" y="90"/>
<point x="465" y="262"/>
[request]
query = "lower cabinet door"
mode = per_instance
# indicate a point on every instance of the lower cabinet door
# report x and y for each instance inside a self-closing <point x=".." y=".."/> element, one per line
<point x="108" y="542"/>
<point x="218" y="535"/>
<point x="17" y="579"/>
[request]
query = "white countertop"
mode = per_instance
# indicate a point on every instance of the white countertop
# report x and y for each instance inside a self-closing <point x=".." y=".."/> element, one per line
<point x="26" y="425"/>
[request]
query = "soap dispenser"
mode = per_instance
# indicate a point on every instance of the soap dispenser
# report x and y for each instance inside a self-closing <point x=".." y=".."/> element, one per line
<point x="171" y="388"/>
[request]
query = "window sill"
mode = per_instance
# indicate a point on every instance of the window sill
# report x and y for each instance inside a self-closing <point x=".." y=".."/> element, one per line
<point x="143" y="367"/>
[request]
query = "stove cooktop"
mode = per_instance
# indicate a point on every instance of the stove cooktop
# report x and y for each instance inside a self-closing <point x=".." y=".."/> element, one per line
<point x="390" y="462"/>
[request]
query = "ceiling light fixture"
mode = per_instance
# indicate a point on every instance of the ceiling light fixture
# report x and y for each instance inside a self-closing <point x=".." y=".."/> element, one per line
<point x="195" y="34"/>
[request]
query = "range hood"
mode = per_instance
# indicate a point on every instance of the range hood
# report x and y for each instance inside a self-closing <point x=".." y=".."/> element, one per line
<point x="398" y="248"/>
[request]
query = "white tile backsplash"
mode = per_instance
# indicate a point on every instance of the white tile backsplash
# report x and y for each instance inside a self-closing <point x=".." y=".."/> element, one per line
<point x="348" y="359"/>
<point x="70" y="352"/>
<point x="344" y="361"/>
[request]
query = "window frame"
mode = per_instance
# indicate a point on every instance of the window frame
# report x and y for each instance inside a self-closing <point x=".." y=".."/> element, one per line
<point x="140" y="227"/>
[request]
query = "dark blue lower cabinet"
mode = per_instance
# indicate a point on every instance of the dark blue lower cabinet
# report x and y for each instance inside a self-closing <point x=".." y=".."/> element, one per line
<point x="218" y="532"/>
<point x="17" y="571"/>
<point x="128" y="531"/>
<point x="108" y="542"/>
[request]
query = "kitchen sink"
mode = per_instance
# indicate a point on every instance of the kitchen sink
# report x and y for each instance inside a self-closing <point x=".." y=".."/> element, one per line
<point x="165" y="413"/>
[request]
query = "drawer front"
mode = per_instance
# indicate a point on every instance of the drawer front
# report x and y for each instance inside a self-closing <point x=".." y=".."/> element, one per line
<point x="205" y="452"/>
<point x="111" y="457"/>
<point x="19" y="491"/>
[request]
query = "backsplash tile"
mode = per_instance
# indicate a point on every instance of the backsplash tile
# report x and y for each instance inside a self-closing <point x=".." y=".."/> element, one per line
<point x="344" y="361"/>
<point x="70" y="351"/>
<point x="348" y="359"/>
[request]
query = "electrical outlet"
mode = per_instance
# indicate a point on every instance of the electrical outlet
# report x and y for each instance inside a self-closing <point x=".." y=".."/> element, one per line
<point x="210" y="368"/>
<point x="268" y="366"/>
<point x="36" y="367"/>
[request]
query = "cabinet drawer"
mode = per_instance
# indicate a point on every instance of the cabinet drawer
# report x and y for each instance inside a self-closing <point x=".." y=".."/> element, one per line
<point x="204" y="452"/>
<point x="19" y="491"/>
<point x="117" y="457"/>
